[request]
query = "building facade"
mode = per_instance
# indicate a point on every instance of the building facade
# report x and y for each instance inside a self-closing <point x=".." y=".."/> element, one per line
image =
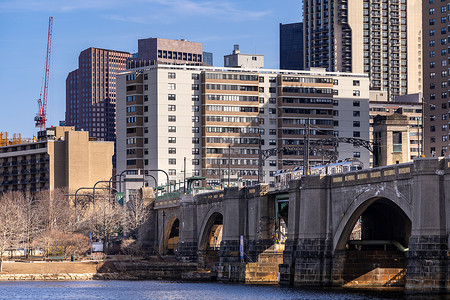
<point x="436" y="60"/>
<point x="411" y="107"/>
<point x="212" y="122"/>
<point x="380" y="38"/>
<point x="291" y="46"/>
<point x="91" y="92"/>
<point x="153" y="51"/>
<point x="240" y="60"/>
<point x="62" y="158"/>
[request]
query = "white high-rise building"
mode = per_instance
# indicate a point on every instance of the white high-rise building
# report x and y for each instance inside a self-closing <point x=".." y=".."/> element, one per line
<point x="216" y="119"/>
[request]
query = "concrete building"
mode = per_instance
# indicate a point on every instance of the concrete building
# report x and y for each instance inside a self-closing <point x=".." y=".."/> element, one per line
<point x="391" y="134"/>
<point x="240" y="60"/>
<point x="153" y="51"/>
<point x="62" y="158"/>
<point x="436" y="59"/>
<point x="291" y="46"/>
<point x="382" y="39"/>
<point x="91" y="92"/>
<point x="409" y="106"/>
<point x="208" y="121"/>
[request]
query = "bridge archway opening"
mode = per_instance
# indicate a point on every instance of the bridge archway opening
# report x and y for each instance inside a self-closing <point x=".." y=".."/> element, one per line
<point x="372" y="248"/>
<point x="281" y="218"/>
<point x="211" y="240"/>
<point x="171" y="236"/>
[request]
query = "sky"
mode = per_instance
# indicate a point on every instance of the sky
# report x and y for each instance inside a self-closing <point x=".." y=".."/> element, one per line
<point x="117" y="25"/>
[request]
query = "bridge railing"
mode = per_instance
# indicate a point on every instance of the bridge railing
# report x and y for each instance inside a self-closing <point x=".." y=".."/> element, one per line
<point x="375" y="174"/>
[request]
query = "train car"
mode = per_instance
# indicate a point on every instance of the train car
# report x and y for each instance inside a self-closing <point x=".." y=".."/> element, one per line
<point x="282" y="177"/>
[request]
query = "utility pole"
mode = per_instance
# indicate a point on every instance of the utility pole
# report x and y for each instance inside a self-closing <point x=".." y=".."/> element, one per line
<point x="260" y="160"/>
<point x="229" y="159"/>
<point x="306" y="149"/>
<point x="220" y="173"/>
<point x="184" y="180"/>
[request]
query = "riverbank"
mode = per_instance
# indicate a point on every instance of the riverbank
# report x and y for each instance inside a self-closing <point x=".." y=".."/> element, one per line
<point x="97" y="270"/>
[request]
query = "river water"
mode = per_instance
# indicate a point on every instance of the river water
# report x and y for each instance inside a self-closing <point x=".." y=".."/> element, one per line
<point x="130" y="290"/>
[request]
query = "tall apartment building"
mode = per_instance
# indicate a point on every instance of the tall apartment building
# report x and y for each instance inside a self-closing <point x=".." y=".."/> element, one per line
<point x="91" y="92"/>
<point x="436" y="61"/>
<point x="382" y="38"/>
<point x="291" y="46"/>
<point x="153" y="51"/>
<point x="217" y="118"/>
<point x="62" y="158"/>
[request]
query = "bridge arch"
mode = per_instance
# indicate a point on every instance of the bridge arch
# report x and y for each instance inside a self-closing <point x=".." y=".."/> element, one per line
<point x="361" y="203"/>
<point x="213" y="221"/>
<point x="170" y="236"/>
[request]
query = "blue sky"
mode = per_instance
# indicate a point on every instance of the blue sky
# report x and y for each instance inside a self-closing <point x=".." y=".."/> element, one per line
<point x="118" y="24"/>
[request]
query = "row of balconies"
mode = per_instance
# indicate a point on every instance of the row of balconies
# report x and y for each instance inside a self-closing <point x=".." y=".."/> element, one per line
<point x="24" y="172"/>
<point x="24" y="162"/>
<point x="25" y="181"/>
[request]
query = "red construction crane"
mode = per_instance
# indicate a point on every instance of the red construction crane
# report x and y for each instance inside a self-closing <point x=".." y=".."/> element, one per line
<point x="41" y="116"/>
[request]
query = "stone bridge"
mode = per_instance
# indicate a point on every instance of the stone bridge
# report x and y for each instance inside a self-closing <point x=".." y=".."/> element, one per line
<point x="339" y="227"/>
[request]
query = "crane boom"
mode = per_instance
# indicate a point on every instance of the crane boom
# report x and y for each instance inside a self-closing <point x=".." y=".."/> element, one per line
<point x="41" y="116"/>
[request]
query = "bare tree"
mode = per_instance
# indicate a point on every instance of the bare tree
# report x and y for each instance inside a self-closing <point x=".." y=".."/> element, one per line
<point x="137" y="213"/>
<point x="106" y="219"/>
<point x="10" y="224"/>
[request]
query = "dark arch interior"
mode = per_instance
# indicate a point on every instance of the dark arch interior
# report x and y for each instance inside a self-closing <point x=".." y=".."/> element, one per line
<point x="211" y="241"/>
<point x="172" y="239"/>
<point x="377" y="244"/>
<point x="383" y="221"/>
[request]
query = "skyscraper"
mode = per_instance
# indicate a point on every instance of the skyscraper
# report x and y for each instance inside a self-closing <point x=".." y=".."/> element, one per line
<point x="291" y="46"/>
<point x="380" y="38"/>
<point x="91" y="92"/>
<point x="436" y="83"/>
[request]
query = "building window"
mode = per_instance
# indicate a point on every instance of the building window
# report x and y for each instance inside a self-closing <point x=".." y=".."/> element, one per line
<point x="356" y="93"/>
<point x="172" y="75"/>
<point x="356" y="134"/>
<point x="172" y="140"/>
<point x="195" y="97"/>
<point x="195" y="140"/>
<point x="356" y="103"/>
<point x="172" y="150"/>
<point x="356" y="83"/>
<point x="195" y="108"/>
<point x="356" y="124"/>
<point x="273" y="111"/>
<point x="172" y="161"/>
<point x="172" y="97"/>
<point x="172" y="118"/>
<point x="272" y="142"/>
<point x="195" y="76"/>
<point x="172" y="172"/>
<point x="195" y="119"/>
<point x="145" y="76"/>
<point x="195" y="162"/>
<point x="356" y="113"/>
<point x="397" y="141"/>
<point x="195" y="130"/>
<point x="145" y="87"/>
<point x="272" y="132"/>
<point x="172" y="129"/>
<point x="195" y="87"/>
<point x="172" y="86"/>
<point x="195" y="151"/>
<point x="357" y="154"/>
<point x="172" y="107"/>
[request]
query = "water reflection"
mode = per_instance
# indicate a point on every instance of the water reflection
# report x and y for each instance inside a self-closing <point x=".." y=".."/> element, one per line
<point x="128" y="290"/>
